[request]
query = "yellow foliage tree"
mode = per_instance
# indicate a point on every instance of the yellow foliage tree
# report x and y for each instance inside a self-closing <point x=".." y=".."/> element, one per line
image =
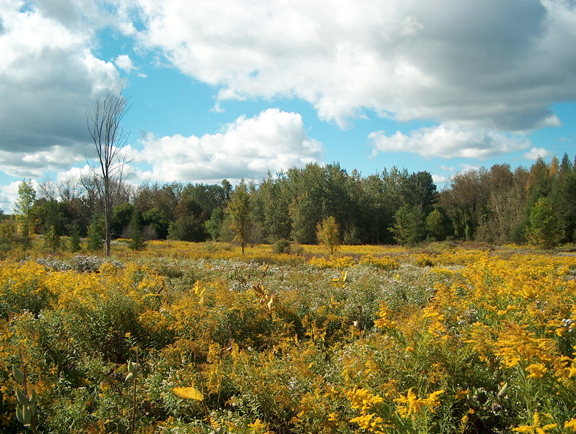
<point x="328" y="233"/>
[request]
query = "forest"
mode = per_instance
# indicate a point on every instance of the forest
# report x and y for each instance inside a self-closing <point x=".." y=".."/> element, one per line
<point x="535" y="205"/>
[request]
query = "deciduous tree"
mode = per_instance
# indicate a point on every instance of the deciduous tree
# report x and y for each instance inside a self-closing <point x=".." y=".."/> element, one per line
<point x="239" y="209"/>
<point x="23" y="207"/>
<point x="109" y="139"/>
<point x="328" y="234"/>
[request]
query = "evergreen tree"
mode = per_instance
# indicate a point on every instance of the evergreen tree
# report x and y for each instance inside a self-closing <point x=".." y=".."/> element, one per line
<point x="564" y="198"/>
<point x="75" y="238"/>
<point x="136" y="234"/>
<point x="52" y="239"/>
<point x="303" y="212"/>
<point x="543" y="230"/>
<point x="95" y="234"/>
<point x="408" y="226"/>
<point x="214" y="225"/>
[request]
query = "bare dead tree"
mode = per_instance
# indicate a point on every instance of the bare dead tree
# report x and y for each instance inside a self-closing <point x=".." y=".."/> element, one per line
<point x="109" y="140"/>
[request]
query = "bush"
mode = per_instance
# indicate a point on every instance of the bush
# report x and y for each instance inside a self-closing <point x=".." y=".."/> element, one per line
<point x="281" y="246"/>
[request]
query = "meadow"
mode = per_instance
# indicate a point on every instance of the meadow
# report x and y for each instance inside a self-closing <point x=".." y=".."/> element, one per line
<point x="440" y="339"/>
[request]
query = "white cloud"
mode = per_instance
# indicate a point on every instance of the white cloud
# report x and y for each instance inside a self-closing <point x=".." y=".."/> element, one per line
<point x="449" y="142"/>
<point x="446" y="168"/>
<point x="246" y="148"/>
<point x="440" y="179"/>
<point x="33" y="164"/>
<point x="536" y="153"/>
<point x="48" y="78"/>
<point x="124" y="62"/>
<point x="493" y="64"/>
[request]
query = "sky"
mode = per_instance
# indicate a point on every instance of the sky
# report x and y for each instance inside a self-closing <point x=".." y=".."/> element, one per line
<point x="235" y="89"/>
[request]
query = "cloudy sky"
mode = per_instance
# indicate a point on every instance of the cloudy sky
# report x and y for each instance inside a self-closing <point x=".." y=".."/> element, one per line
<point x="237" y="88"/>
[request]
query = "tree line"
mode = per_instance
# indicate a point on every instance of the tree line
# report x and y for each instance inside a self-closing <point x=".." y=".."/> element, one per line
<point x="535" y="205"/>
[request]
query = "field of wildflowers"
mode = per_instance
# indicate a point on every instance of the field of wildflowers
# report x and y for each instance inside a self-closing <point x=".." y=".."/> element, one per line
<point x="443" y="339"/>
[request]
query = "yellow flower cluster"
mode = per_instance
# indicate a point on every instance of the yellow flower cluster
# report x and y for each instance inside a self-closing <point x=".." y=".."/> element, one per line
<point x="383" y="262"/>
<point x="411" y="405"/>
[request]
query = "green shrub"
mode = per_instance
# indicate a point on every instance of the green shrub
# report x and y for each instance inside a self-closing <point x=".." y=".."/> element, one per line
<point x="281" y="246"/>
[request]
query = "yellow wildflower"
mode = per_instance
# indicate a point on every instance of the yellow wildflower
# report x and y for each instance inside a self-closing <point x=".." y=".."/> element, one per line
<point x="570" y="424"/>
<point x="537" y="370"/>
<point x="535" y="428"/>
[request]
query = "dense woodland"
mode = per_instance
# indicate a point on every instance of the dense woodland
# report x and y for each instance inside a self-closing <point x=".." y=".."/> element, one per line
<point x="535" y="205"/>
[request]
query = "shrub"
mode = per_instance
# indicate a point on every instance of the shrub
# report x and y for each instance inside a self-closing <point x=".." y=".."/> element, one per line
<point x="281" y="246"/>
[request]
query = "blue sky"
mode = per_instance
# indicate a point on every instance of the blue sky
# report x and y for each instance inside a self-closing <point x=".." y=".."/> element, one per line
<point x="236" y="88"/>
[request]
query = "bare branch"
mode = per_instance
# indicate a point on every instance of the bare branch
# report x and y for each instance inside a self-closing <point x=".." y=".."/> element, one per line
<point x="109" y="139"/>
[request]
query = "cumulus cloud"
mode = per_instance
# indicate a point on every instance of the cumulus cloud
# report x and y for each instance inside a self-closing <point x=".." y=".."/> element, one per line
<point x="124" y="62"/>
<point x="535" y="153"/>
<point x="48" y="78"/>
<point x="440" y="179"/>
<point x="490" y="64"/>
<point x="25" y="164"/>
<point x="449" y="142"/>
<point x="247" y="148"/>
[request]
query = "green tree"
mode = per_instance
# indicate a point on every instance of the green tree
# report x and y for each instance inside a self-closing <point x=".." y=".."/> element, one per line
<point x="24" y="208"/>
<point x="187" y="228"/>
<point x="276" y="202"/>
<point x="435" y="224"/>
<point x="121" y="219"/>
<point x="136" y="234"/>
<point x="466" y="200"/>
<point x="155" y="224"/>
<point x="563" y="198"/>
<point x="328" y="234"/>
<point x="52" y="239"/>
<point x="214" y="225"/>
<point x="303" y="214"/>
<point x="95" y="230"/>
<point x="75" y="238"/>
<point x="543" y="229"/>
<point x="408" y="226"/>
<point x="239" y="209"/>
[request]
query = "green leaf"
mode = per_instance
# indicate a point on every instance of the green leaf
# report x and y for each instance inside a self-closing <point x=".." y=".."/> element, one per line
<point x="130" y="376"/>
<point x="17" y="373"/>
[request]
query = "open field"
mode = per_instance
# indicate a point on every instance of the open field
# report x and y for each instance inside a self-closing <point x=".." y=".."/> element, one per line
<point x="442" y="339"/>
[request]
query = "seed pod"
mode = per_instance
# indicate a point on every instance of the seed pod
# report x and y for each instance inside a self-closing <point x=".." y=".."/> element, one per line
<point x="33" y="398"/>
<point x="22" y="399"/>
<point x="17" y="373"/>
<point x="503" y="390"/>
<point x="27" y="415"/>
<point x="19" y="414"/>
<point x="133" y="367"/>
<point x="130" y="376"/>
